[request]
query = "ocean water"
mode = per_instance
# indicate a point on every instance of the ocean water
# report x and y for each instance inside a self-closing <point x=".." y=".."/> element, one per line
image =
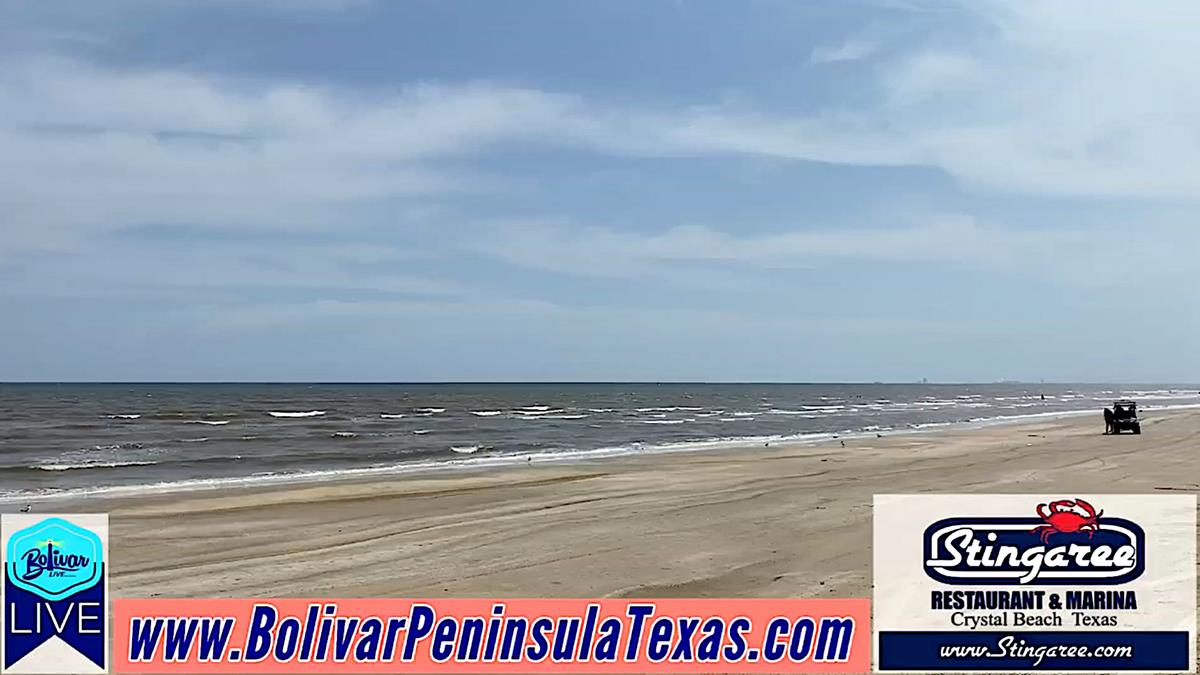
<point x="79" y="439"/>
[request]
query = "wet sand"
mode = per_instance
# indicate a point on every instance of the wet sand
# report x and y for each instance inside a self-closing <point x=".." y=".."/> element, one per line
<point x="785" y="520"/>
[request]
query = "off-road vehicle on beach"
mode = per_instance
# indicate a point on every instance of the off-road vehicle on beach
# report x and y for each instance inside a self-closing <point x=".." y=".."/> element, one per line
<point x="1125" y="417"/>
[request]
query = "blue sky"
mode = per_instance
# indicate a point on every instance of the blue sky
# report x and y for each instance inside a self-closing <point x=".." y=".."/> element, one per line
<point x="653" y="190"/>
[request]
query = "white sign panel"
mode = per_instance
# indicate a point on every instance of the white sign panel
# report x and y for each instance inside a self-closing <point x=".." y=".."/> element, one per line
<point x="1079" y="583"/>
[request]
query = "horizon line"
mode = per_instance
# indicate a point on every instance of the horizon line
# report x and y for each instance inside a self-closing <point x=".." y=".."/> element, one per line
<point x="583" y="382"/>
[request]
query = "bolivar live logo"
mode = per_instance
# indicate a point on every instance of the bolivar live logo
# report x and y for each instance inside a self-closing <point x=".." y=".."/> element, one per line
<point x="55" y="594"/>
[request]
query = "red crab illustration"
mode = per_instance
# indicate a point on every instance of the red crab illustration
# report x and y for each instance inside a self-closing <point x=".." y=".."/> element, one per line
<point x="1061" y="516"/>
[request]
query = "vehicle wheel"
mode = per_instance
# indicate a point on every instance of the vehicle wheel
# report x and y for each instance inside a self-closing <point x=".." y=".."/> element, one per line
<point x="1137" y="429"/>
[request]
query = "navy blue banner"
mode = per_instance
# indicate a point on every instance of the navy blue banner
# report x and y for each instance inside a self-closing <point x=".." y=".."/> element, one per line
<point x="80" y="620"/>
<point x="1044" y="650"/>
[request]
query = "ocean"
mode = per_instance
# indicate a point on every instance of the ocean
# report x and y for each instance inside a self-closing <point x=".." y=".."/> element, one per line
<point x="82" y="439"/>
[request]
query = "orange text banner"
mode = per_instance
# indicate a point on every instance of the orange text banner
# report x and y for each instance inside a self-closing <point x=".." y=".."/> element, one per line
<point x="297" y="635"/>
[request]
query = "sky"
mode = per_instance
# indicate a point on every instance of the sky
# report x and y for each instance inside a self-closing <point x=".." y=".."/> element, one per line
<point x="629" y="190"/>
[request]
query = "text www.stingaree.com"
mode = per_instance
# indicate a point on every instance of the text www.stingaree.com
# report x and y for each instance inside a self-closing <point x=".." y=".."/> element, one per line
<point x="1010" y="647"/>
<point x="638" y="636"/>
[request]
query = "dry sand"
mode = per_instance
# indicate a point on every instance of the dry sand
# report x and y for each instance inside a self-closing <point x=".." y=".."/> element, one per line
<point x="788" y="520"/>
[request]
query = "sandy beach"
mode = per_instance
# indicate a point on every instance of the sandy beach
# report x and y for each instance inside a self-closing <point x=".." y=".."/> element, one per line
<point x="786" y="520"/>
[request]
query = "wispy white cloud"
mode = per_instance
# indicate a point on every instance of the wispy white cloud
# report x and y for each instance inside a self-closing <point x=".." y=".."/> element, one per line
<point x="1034" y="102"/>
<point x="855" y="49"/>
<point x="218" y="318"/>
<point x="89" y="149"/>
<point x="237" y="318"/>
<point x="1029" y="99"/>
<point x="1084" y="257"/>
<point x="187" y="272"/>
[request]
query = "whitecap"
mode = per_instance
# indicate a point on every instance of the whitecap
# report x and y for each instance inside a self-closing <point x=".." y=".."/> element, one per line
<point x="93" y="465"/>
<point x="535" y="408"/>
<point x="668" y="408"/>
<point x="117" y="446"/>
<point x="484" y="460"/>
<point x="310" y="413"/>
<point x="343" y="434"/>
<point x="215" y="423"/>
<point x="663" y="421"/>
<point x="431" y="411"/>
<point x="487" y="413"/>
<point x="420" y="432"/>
<point x="464" y="449"/>
<point x="391" y="416"/>
<point x="123" y="417"/>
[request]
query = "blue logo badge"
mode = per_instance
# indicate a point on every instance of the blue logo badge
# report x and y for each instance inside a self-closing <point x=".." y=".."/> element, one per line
<point x="55" y="559"/>
<point x="54" y="587"/>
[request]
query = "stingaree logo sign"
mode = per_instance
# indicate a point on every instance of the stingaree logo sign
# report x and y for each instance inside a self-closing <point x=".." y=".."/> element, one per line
<point x="55" y="594"/>
<point x="1099" y="583"/>
<point x="1068" y="542"/>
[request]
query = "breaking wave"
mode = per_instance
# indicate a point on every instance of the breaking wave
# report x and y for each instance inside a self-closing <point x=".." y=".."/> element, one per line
<point x="633" y="418"/>
<point x="99" y="464"/>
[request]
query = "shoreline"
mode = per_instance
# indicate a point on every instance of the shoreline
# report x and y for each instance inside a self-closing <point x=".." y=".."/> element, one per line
<point x="789" y="520"/>
<point x="539" y="458"/>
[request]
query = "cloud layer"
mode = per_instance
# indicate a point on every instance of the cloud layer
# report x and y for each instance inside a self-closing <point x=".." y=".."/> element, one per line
<point x="1068" y="141"/>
